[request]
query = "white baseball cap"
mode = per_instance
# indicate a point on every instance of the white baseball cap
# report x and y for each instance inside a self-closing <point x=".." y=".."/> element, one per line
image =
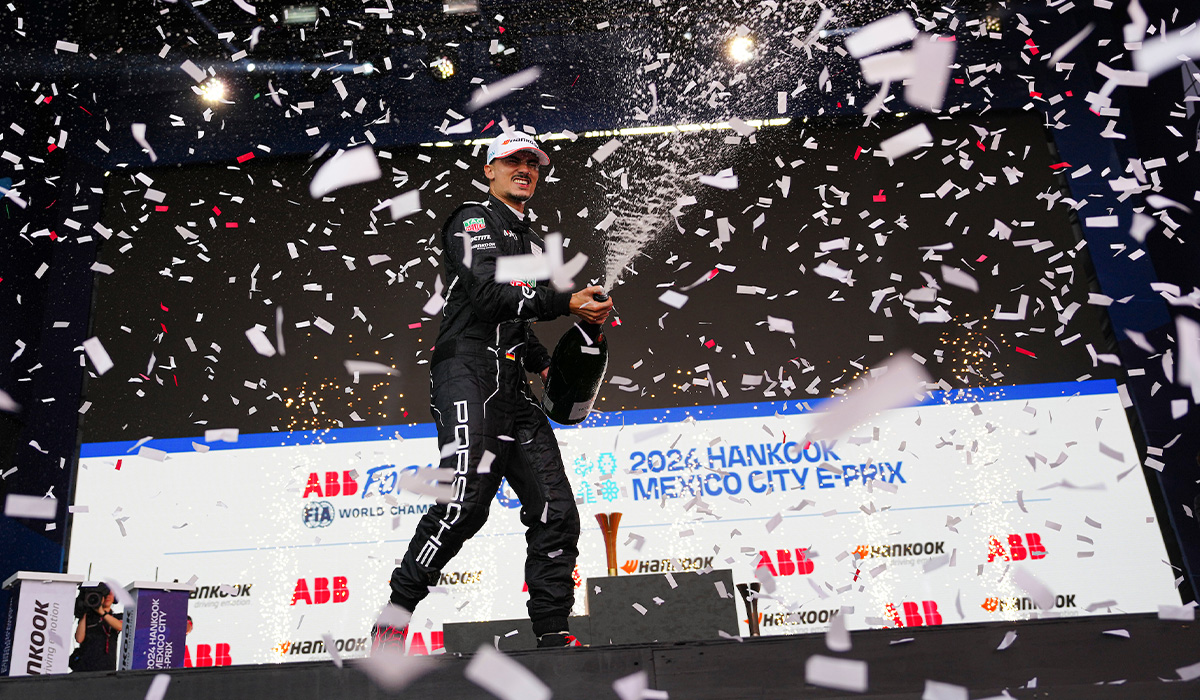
<point x="507" y="144"/>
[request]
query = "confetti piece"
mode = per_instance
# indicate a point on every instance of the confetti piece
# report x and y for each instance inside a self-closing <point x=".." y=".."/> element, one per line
<point x="158" y="687"/>
<point x="197" y="74"/>
<point x="330" y="645"/>
<point x="901" y="385"/>
<point x="258" y="339"/>
<point x="1009" y="637"/>
<point x="139" y="135"/>
<point x="780" y="325"/>
<point x="1181" y="613"/>
<point x="363" y="367"/>
<point x="1061" y="52"/>
<point x="601" y="154"/>
<point x="221" y="435"/>
<point x="906" y="142"/>
<point x="98" y="355"/>
<point x="352" y="167"/>
<point x="724" y="180"/>
<point x="1117" y="633"/>
<point x="7" y="403"/>
<point x="1188" y="673"/>
<point x="958" y="278"/>
<point x="402" y="205"/>
<point x="503" y="677"/>
<point x="935" y="690"/>
<point x="151" y="453"/>
<point x="841" y="674"/>
<point x="837" y="637"/>
<point x="932" y="59"/>
<point x="487" y="94"/>
<point x="18" y="505"/>
<point x="881" y="34"/>
<point x="673" y="298"/>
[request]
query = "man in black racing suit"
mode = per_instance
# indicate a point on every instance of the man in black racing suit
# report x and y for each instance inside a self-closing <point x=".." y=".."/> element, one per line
<point x="489" y="425"/>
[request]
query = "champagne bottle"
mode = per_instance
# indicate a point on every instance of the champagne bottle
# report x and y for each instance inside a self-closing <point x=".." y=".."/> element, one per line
<point x="576" y="371"/>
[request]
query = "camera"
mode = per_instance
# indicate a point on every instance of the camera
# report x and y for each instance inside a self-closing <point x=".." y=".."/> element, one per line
<point x="90" y="598"/>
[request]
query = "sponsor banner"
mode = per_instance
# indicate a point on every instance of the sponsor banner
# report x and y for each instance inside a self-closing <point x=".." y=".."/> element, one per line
<point x="158" y="623"/>
<point x="918" y="517"/>
<point x="40" y="627"/>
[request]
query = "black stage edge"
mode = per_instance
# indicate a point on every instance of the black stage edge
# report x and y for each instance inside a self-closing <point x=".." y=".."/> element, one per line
<point x="1070" y="658"/>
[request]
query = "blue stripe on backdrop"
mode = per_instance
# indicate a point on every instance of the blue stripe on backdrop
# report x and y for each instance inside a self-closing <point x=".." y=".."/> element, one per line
<point x="614" y="418"/>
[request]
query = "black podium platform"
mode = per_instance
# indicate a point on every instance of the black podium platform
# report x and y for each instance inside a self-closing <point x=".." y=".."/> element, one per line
<point x="681" y="606"/>
<point x="1061" y="659"/>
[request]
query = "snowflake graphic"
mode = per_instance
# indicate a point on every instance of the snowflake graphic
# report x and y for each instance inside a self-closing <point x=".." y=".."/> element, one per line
<point x="608" y="463"/>
<point x="584" y="494"/>
<point x="609" y="491"/>
<point x="582" y="466"/>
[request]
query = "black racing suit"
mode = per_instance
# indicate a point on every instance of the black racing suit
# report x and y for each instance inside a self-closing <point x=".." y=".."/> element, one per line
<point x="481" y="402"/>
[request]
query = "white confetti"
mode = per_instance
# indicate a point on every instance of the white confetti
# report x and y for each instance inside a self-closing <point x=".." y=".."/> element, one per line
<point x="487" y="94"/>
<point x="352" y="167"/>
<point x="98" y="355"/>
<point x="18" y="505"/>
<point x="842" y="674"/>
<point x="881" y="34"/>
<point x="906" y="142"/>
<point x="503" y="677"/>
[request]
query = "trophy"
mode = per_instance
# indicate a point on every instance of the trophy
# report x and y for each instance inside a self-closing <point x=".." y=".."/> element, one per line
<point x="751" y="605"/>
<point x="608" y="526"/>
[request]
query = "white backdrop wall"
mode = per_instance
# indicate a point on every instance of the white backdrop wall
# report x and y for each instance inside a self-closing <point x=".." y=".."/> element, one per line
<point x="921" y="516"/>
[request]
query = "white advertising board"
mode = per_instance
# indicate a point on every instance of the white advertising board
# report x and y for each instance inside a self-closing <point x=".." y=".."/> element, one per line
<point x="924" y="515"/>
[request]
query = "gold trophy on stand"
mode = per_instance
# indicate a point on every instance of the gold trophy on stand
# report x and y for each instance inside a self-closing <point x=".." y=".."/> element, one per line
<point x="750" y="598"/>
<point x="608" y="526"/>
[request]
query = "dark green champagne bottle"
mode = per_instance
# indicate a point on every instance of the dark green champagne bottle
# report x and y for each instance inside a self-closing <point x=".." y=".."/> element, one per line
<point x="576" y="371"/>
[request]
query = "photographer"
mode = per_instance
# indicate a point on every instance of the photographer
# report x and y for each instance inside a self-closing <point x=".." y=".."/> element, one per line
<point x="97" y="630"/>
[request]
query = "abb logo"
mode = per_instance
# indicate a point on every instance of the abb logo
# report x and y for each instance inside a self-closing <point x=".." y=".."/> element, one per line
<point x="783" y="564"/>
<point x="346" y="486"/>
<point x="321" y="592"/>
<point x="912" y="614"/>
<point x="416" y="644"/>
<point x="1018" y="550"/>
<point x="207" y="655"/>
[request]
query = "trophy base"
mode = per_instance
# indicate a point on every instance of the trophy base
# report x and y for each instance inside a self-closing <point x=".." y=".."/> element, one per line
<point x="693" y="610"/>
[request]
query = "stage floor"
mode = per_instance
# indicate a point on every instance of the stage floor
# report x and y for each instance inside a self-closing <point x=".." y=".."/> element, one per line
<point x="1060" y="658"/>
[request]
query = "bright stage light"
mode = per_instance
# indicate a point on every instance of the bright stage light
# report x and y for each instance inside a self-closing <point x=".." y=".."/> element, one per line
<point x="212" y="90"/>
<point x="442" y="67"/>
<point x="250" y="67"/>
<point x="741" y="49"/>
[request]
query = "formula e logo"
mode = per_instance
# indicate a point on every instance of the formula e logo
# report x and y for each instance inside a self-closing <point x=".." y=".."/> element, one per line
<point x="318" y="514"/>
<point x="783" y="564"/>
<point x="505" y="496"/>
<point x="510" y="234"/>
<point x="473" y="225"/>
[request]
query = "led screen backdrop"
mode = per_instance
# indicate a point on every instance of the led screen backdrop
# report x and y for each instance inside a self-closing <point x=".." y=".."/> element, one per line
<point x="1017" y="473"/>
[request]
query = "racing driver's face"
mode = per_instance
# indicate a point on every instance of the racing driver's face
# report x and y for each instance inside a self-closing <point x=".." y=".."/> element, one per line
<point x="513" y="178"/>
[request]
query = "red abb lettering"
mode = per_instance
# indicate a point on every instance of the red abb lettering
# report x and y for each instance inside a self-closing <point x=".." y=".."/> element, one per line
<point x="341" y="592"/>
<point x="932" y="616"/>
<point x="786" y="566"/>
<point x="320" y="590"/>
<point x="187" y="657"/>
<point x="222" y="656"/>
<point x="912" y="614"/>
<point x="417" y="643"/>
<point x="1036" y="549"/>
<point x="301" y="592"/>
<point x="995" y="549"/>
<point x="346" y="486"/>
<point x="1017" y="548"/>
<point x="764" y="561"/>
<point x="203" y="656"/>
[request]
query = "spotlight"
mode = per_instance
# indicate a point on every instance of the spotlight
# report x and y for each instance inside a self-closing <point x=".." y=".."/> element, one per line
<point x="741" y="49"/>
<point x="250" y="67"/>
<point x="442" y="66"/>
<point x="300" y="14"/>
<point x="212" y="90"/>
